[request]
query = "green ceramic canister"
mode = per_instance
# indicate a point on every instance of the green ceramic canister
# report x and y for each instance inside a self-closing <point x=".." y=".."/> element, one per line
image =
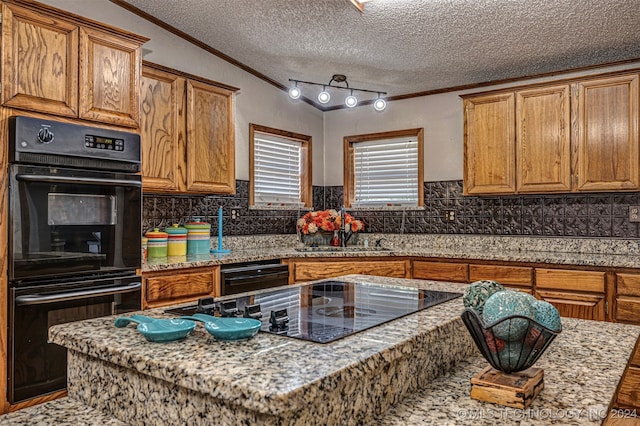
<point x="198" y="237"/>
<point x="156" y="243"/>
<point x="177" y="242"/>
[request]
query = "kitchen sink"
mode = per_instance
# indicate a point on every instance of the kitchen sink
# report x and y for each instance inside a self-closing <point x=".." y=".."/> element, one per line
<point x="330" y="249"/>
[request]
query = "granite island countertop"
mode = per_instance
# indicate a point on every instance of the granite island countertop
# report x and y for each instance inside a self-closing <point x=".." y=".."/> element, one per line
<point x="582" y="367"/>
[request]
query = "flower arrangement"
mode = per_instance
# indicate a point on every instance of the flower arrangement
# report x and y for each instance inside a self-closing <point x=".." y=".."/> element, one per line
<point x="327" y="220"/>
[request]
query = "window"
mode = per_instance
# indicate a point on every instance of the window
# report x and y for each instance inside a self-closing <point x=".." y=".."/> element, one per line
<point x="280" y="168"/>
<point x="384" y="169"/>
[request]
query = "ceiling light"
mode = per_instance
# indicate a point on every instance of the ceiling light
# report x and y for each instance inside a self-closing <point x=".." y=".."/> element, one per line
<point x="379" y="104"/>
<point x="294" y="92"/>
<point x="351" y="101"/>
<point x="324" y="97"/>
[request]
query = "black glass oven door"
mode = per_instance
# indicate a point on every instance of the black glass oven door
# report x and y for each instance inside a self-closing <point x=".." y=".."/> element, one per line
<point x="67" y="222"/>
<point x="37" y="367"/>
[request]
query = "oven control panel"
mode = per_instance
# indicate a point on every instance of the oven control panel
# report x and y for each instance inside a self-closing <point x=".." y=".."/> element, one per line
<point x="100" y="142"/>
<point x="70" y="144"/>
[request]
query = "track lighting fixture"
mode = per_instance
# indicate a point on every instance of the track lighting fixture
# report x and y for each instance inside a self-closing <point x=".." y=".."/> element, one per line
<point x="350" y="101"/>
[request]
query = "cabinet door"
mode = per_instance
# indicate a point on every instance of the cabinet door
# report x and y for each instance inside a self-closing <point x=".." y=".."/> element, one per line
<point x="210" y="139"/>
<point x="576" y="294"/>
<point x="628" y="298"/>
<point x="439" y="271"/>
<point x="39" y="62"/>
<point x="518" y="277"/>
<point x="543" y="152"/>
<point x="171" y="287"/>
<point x="607" y="134"/>
<point x="162" y="130"/>
<point x="489" y="144"/>
<point x="109" y="78"/>
<point x="319" y="269"/>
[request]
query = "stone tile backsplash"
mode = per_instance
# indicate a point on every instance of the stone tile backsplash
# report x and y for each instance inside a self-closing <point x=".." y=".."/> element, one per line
<point x="562" y="215"/>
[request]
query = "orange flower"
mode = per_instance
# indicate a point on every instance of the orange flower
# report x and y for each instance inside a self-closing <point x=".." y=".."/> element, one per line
<point x="327" y="220"/>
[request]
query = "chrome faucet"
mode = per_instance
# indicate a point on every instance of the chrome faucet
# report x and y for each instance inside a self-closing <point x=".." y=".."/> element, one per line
<point x="344" y="234"/>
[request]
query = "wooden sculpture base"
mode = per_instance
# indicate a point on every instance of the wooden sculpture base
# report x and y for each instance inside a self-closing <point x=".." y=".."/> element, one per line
<point x="513" y="390"/>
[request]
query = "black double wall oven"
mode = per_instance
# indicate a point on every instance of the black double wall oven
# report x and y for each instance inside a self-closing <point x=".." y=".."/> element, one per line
<point x="75" y="200"/>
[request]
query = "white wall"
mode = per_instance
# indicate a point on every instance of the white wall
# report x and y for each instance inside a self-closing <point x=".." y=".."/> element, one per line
<point x="256" y="102"/>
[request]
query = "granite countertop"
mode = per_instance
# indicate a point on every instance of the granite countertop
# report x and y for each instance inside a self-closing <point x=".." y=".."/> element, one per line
<point x="529" y="256"/>
<point x="582" y="367"/>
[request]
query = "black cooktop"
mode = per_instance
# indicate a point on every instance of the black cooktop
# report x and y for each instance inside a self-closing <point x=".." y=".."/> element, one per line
<point x="325" y="311"/>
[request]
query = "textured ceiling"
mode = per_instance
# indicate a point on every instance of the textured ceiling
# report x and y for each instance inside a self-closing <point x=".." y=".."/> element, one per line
<point x="404" y="47"/>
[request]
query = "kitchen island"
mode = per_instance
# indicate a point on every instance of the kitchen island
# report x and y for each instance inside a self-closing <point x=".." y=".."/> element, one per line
<point x="414" y="369"/>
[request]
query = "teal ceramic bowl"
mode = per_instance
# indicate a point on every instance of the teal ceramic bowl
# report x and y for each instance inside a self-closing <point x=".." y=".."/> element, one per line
<point x="228" y="328"/>
<point x="159" y="330"/>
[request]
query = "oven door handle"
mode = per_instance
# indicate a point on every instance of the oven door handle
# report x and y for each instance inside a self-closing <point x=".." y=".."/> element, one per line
<point x="38" y="299"/>
<point x="78" y="180"/>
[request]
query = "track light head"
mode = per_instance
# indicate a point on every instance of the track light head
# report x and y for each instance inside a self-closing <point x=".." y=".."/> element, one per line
<point x="294" y="92"/>
<point x="379" y="104"/>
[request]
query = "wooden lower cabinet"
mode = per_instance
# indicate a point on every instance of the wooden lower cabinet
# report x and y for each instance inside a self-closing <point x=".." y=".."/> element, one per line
<point x="513" y="277"/>
<point x="318" y="268"/>
<point x="440" y="271"/>
<point x="575" y="293"/>
<point x="179" y="286"/>
<point x="627" y="298"/>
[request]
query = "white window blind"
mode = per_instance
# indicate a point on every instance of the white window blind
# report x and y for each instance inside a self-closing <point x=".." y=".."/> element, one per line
<point x="386" y="172"/>
<point x="277" y="170"/>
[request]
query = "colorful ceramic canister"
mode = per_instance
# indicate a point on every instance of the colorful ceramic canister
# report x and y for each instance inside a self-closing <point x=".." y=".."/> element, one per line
<point x="198" y="237"/>
<point x="144" y="247"/>
<point x="156" y="243"/>
<point x="177" y="244"/>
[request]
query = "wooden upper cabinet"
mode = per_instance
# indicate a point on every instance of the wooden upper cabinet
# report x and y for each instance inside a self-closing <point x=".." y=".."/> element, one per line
<point x="606" y="147"/>
<point x="58" y="63"/>
<point x="109" y="78"/>
<point x="187" y="132"/>
<point x="162" y="130"/>
<point x="39" y="62"/>
<point x="577" y="135"/>
<point x="210" y="139"/>
<point x="489" y="145"/>
<point x="543" y="151"/>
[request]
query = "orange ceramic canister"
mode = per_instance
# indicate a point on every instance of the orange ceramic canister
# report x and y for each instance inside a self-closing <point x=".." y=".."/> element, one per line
<point x="156" y="243"/>
<point x="198" y="237"/>
<point x="177" y="244"/>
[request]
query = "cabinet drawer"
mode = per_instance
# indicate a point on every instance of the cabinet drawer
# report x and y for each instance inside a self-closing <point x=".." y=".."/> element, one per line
<point x="628" y="309"/>
<point x="307" y="271"/>
<point x="629" y="391"/>
<point x="507" y="275"/>
<point x="178" y="286"/>
<point x="575" y="305"/>
<point x="565" y="279"/>
<point x="440" y="271"/>
<point x="628" y="284"/>
<point x="635" y="358"/>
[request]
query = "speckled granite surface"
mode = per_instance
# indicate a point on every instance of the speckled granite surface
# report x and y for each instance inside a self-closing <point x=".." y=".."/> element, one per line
<point x="60" y="412"/>
<point x="582" y="368"/>
<point x="561" y="251"/>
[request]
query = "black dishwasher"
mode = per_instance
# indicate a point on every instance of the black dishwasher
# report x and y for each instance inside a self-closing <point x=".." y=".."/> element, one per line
<point x="251" y="276"/>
